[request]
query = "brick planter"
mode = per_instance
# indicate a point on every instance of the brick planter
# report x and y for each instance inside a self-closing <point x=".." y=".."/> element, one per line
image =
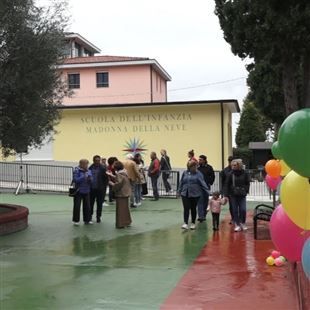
<point x="13" y="218"/>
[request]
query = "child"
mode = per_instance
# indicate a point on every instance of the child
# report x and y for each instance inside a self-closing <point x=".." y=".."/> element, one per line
<point x="215" y="205"/>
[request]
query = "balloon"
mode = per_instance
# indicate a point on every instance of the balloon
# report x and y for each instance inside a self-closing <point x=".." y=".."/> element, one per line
<point x="270" y="260"/>
<point x="273" y="182"/>
<point x="286" y="236"/>
<point x="295" y="198"/>
<point x="275" y="150"/>
<point x="273" y="168"/>
<point x="305" y="258"/>
<point x="285" y="169"/>
<point x="275" y="254"/>
<point x="278" y="262"/>
<point x="294" y="143"/>
<point x="283" y="258"/>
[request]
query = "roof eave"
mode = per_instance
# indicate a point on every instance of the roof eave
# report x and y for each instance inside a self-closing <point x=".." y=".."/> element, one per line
<point x="151" y="62"/>
<point x="93" y="48"/>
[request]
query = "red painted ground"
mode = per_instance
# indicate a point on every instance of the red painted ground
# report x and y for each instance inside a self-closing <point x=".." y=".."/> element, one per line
<point x="231" y="273"/>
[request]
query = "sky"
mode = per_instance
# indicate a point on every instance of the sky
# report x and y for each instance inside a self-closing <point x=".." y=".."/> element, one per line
<point x="183" y="36"/>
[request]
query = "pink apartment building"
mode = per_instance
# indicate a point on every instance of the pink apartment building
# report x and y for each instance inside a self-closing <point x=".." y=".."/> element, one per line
<point x="110" y="79"/>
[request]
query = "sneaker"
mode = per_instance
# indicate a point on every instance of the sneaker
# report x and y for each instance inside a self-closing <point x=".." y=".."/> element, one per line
<point x="184" y="226"/>
<point x="76" y="223"/>
<point x="105" y="204"/>
<point x="139" y="204"/>
<point x="98" y="220"/>
<point x="89" y="223"/>
<point x="237" y="228"/>
<point x="193" y="226"/>
<point x="243" y="227"/>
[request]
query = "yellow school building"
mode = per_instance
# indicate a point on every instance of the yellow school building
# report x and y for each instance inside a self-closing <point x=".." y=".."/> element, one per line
<point x="115" y="130"/>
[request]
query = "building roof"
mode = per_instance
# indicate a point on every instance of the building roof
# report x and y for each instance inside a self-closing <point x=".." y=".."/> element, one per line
<point x="103" y="58"/>
<point x="112" y="61"/>
<point x="260" y="145"/>
<point x="81" y="40"/>
<point x="232" y="104"/>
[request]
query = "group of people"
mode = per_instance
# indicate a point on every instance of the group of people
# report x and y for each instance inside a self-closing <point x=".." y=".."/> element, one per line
<point x="127" y="185"/>
<point x="126" y="182"/>
<point x="195" y="187"/>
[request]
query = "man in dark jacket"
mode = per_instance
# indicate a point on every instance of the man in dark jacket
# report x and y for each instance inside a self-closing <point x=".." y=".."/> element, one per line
<point x="209" y="176"/>
<point x="165" y="167"/>
<point x="98" y="187"/>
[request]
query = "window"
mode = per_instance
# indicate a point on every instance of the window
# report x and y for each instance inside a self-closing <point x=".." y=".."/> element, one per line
<point x="74" y="80"/>
<point x="102" y="79"/>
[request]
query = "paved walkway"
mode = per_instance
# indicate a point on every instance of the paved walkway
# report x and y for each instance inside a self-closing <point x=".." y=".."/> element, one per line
<point x="231" y="273"/>
<point x="54" y="265"/>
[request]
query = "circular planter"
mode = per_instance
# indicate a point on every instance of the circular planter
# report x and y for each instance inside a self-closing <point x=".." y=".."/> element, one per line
<point x="12" y="218"/>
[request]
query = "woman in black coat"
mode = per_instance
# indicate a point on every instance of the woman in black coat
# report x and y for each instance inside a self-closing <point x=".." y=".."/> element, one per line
<point x="237" y="185"/>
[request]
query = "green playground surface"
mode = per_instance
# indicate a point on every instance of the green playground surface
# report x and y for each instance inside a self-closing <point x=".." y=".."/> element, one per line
<point x="55" y="265"/>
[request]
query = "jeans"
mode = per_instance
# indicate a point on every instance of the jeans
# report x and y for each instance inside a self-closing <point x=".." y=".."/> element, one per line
<point x="111" y="194"/>
<point x="78" y="198"/>
<point x="203" y="205"/>
<point x="165" y="176"/>
<point x="239" y="209"/>
<point x="133" y="189"/>
<point x="98" y="196"/>
<point x="154" y="180"/>
<point x="138" y="193"/>
<point x="231" y="212"/>
<point x="189" y="205"/>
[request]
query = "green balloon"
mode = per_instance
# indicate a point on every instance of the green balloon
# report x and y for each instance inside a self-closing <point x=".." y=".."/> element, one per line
<point x="294" y="141"/>
<point x="275" y="150"/>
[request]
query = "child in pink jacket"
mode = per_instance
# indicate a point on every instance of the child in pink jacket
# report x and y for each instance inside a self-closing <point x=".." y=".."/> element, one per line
<point x="215" y="205"/>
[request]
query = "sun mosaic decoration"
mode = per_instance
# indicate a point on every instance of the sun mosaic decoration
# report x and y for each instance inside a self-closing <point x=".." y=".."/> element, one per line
<point x="135" y="146"/>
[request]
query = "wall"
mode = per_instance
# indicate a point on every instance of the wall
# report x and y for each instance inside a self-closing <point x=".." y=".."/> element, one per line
<point x="158" y="87"/>
<point x="127" y="84"/>
<point x="106" y="131"/>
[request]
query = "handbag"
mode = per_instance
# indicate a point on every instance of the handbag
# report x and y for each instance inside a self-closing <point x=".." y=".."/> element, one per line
<point x="73" y="189"/>
<point x="144" y="189"/>
<point x="238" y="190"/>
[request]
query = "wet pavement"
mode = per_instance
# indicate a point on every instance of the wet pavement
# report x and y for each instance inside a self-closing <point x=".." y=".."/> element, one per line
<point x="231" y="273"/>
<point x="54" y="265"/>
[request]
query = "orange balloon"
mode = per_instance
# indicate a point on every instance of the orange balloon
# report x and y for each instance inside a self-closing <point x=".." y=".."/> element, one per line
<point x="273" y="168"/>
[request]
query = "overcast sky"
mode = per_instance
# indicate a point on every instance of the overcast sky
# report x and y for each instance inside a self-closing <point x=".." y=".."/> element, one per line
<point x="183" y="36"/>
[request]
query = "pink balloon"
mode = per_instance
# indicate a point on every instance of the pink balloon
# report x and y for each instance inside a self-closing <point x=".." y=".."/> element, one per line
<point x="272" y="182"/>
<point x="287" y="236"/>
<point x="275" y="254"/>
<point x="278" y="262"/>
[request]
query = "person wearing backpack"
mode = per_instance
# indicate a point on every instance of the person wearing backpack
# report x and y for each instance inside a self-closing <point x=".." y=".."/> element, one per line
<point x="165" y="167"/>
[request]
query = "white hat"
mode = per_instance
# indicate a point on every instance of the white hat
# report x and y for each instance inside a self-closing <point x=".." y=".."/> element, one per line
<point x="129" y="156"/>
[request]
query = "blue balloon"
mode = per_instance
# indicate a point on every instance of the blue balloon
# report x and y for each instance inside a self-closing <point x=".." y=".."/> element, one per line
<point x="305" y="258"/>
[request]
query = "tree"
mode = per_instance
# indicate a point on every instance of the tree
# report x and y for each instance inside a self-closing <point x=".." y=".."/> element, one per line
<point x="31" y="89"/>
<point x="276" y="35"/>
<point x="252" y="126"/>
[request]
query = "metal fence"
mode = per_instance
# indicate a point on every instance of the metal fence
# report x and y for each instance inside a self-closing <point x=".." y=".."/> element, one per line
<point x="173" y="180"/>
<point x="52" y="178"/>
<point x="34" y="177"/>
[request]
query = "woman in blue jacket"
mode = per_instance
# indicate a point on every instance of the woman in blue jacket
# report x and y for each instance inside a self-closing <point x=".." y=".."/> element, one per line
<point x="192" y="185"/>
<point x="82" y="177"/>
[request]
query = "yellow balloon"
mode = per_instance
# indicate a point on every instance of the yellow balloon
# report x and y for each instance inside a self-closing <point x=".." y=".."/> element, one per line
<point x="295" y="199"/>
<point x="270" y="260"/>
<point x="285" y="169"/>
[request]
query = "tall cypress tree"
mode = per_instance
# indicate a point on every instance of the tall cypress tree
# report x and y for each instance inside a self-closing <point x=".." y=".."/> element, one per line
<point x="275" y="34"/>
<point x="251" y="127"/>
